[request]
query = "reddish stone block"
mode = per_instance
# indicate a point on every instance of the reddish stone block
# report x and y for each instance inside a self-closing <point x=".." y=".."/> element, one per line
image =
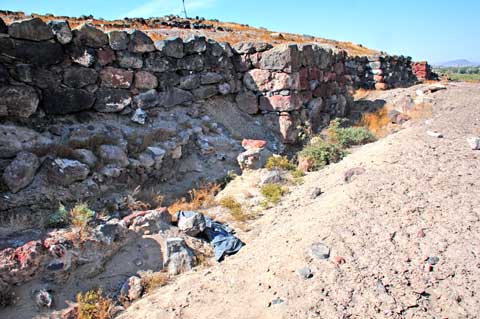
<point x="116" y="78"/>
<point x="145" y="80"/>
<point x="314" y="73"/>
<point x="105" y="56"/>
<point x="280" y="103"/>
<point x="253" y="144"/>
<point x="303" y="79"/>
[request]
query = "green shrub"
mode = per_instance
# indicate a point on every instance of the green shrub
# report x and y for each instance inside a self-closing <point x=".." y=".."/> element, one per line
<point x="93" y="305"/>
<point x="272" y="193"/>
<point x="297" y="176"/>
<point x="234" y="207"/>
<point x="349" y="136"/>
<point x="322" y="153"/>
<point x="59" y="218"/>
<point x="279" y="162"/>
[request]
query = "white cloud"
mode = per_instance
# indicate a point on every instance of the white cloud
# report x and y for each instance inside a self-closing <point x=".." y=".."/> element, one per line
<point x="156" y="8"/>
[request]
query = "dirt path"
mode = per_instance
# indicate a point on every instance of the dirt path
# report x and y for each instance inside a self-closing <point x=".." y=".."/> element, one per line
<point x="419" y="197"/>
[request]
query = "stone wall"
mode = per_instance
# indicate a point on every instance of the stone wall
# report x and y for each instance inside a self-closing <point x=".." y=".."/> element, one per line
<point x="86" y="115"/>
<point x="381" y="72"/>
<point x="423" y="71"/>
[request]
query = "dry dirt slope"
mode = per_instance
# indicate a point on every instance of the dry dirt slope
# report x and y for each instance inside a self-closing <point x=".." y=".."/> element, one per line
<point x="419" y="197"/>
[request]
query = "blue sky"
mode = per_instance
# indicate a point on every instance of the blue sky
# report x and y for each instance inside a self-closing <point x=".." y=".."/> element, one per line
<point x="424" y="29"/>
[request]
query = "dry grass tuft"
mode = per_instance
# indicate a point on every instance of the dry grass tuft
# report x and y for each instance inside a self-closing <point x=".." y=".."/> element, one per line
<point x="93" y="305"/>
<point x="376" y="122"/>
<point x="203" y="197"/>
<point x="152" y="280"/>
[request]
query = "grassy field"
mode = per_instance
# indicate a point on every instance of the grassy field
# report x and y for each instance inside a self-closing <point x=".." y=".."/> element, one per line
<point x="467" y="74"/>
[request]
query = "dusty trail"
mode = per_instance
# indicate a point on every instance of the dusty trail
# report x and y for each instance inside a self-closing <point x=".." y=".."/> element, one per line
<point x="419" y="197"/>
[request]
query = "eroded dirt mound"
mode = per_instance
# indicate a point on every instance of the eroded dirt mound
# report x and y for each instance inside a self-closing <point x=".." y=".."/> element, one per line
<point x="397" y="239"/>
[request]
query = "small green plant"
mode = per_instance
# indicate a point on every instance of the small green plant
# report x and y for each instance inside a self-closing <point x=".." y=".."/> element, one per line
<point x="349" y="136"/>
<point x="59" y="218"/>
<point x="93" y="305"/>
<point x="80" y="215"/>
<point x="272" y="193"/>
<point x="279" y="162"/>
<point x="235" y="208"/>
<point x="297" y="176"/>
<point x="321" y="153"/>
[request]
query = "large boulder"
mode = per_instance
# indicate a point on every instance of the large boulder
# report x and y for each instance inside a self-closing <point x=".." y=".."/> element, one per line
<point x="92" y="37"/>
<point x="111" y="100"/>
<point x="66" y="172"/>
<point x="20" y="100"/>
<point x="254" y="158"/>
<point x="282" y="58"/>
<point x="66" y="100"/>
<point x="174" y="97"/>
<point x="179" y="257"/>
<point x="116" y="78"/>
<point x="79" y="77"/>
<point x="21" y="171"/>
<point x="3" y="26"/>
<point x="132" y="289"/>
<point x="129" y="60"/>
<point x="118" y="40"/>
<point x="171" y="47"/>
<point x="61" y="30"/>
<point x="112" y="154"/>
<point x="247" y="102"/>
<point x="140" y="42"/>
<point x="39" y="53"/>
<point x="145" y="80"/>
<point x="32" y="29"/>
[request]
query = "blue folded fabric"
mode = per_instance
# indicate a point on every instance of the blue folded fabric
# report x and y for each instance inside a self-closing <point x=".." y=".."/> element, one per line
<point x="220" y="236"/>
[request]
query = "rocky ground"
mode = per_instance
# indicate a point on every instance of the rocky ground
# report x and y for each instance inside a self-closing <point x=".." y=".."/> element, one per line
<point x="396" y="238"/>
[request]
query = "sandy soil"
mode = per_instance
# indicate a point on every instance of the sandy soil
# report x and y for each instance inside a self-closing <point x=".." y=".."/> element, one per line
<point x="418" y="197"/>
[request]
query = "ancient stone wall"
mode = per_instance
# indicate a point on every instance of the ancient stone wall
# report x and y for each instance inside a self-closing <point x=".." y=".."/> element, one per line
<point x="381" y="72"/>
<point x="86" y="115"/>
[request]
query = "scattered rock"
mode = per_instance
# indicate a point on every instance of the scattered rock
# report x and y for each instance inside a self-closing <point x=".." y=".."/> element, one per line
<point x="305" y="272"/>
<point x="319" y="251"/>
<point x="271" y="177"/>
<point x="317" y="191"/>
<point x="435" y="134"/>
<point x="132" y="289"/>
<point x="65" y="171"/>
<point x="474" y="143"/>
<point x="21" y="171"/>
<point x="192" y="225"/>
<point x="253" y="158"/>
<point x="179" y="257"/>
<point x="248" y="144"/>
<point x="433" y="260"/>
<point x="139" y="116"/>
<point x="32" y="29"/>
<point x="348" y="175"/>
<point x="339" y="260"/>
<point x="43" y="299"/>
<point x="436" y="87"/>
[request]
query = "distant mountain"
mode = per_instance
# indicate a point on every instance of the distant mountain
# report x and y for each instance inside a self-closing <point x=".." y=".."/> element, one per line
<point x="457" y="63"/>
